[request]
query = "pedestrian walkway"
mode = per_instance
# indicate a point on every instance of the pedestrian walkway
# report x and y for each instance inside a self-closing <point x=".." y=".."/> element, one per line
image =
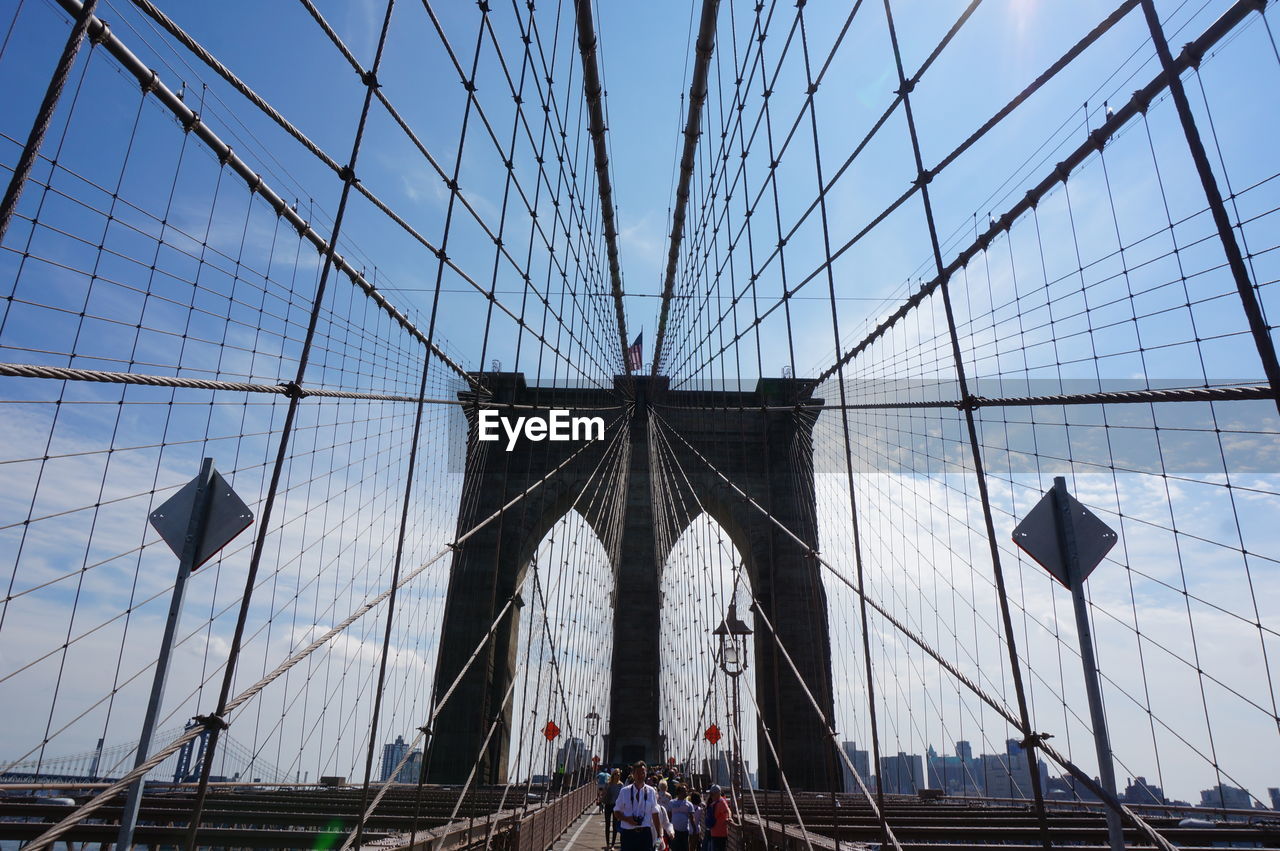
<point x="585" y="834"/>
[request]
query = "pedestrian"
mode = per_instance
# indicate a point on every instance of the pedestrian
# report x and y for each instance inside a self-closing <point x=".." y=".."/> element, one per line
<point x="698" y="830"/>
<point x="637" y="822"/>
<point x="663" y="832"/>
<point x="681" y="819"/>
<point x="719" y="817"/>
<point x="664" y="797"/>
<point x="602" y="780"/>
<point x="611" y="790"/>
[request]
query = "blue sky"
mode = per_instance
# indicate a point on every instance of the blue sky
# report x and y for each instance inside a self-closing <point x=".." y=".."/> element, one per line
<point x="1116" y="276"/>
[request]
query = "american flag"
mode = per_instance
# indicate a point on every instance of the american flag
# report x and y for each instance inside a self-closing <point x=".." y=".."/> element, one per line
<point x="635" y="354"/>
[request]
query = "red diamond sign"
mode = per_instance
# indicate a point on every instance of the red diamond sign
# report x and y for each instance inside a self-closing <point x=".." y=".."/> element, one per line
<point x="713" y="734"/>
<point x="551" y="730"/>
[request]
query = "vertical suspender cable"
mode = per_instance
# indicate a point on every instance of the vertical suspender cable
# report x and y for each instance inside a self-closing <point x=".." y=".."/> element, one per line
<point x="1248" y="297"/>
<point x="1015" y="668"/>
<point x="216" y="721"/>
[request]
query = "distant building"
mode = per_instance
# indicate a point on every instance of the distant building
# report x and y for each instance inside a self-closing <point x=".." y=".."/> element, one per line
<point x="902" y="774"/>
<point x="1067" y="788"/>
<point x="1139" y="791"/>
<point x="955" y="775"/>
<point x="572" y="755"/>
<point x="722" y="771"/>
<point x="861" y="763"/>
<point x="1275" y="797"/>
<point x="1227" y="797"/>
<point x="412" y="769"/>
<point x="391" y="755"/>
<point x="1008" y="775"/>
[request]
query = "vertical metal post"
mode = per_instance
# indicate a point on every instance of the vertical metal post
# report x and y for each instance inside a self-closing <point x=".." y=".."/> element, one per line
<point x="1075" y="577"/>
<point x="735" y="745"/>
<point x="190" y="549"/>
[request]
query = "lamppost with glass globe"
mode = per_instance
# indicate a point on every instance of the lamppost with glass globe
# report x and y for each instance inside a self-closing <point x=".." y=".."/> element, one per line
<point x="733" y="661"/>
<point x="593" y="727"/>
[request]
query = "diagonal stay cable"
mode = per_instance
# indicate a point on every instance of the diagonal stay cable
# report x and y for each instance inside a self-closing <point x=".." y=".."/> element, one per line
<point x="729" y="189"/>
<point x="190" y="120"/>
<point x="795" y="808"/>
<point x="613" y="452"/>
<point x="758" y="610"/>
<point x="890" y="837"/>
<point x="1189" y="56"/>
<point x="56" y="831"/>
<point x="538" y="593"/>
<point x="1029" y="90"/>
<point x="147" y="76"/>
<point x="425" y="729"/>
<point x="1136" y="105"/>
<point x="44" y="117"/>
<point x="1009" y="715"/>
<point x="451" y="182"/>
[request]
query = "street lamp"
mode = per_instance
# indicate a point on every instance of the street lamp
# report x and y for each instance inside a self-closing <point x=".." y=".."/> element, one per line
<point x="593" y="727"/>
<point x="733" y="661"/>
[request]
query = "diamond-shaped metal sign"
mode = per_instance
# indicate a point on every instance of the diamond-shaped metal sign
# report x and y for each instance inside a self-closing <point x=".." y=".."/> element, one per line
<point x="1037" y="535"/>
<point x="228" y="517"/>
<point x="551" y="730"/>
<point x="712" y="734"/>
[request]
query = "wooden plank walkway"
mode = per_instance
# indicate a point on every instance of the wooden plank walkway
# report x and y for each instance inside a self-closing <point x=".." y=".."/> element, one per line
<point x="585" y="834"/>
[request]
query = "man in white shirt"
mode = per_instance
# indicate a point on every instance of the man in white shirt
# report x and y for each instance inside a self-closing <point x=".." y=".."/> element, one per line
<point x="635" y="810"/>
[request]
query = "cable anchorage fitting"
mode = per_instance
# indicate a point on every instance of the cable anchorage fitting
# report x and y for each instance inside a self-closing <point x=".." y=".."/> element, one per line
<point x="1192" y="53"/>
<point x="1142" y="100"/>
<point x="211" y="722"/>
<point x="101" y="34"/>
<point x="1034" y="740"/>
<point x="292" y="389"/>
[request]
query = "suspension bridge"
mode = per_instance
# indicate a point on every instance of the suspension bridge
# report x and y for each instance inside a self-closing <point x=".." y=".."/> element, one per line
<point x="869" y="407"/>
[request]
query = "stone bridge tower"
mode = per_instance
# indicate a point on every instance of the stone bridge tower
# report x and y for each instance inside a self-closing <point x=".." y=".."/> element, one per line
<point x="762" y="443"/>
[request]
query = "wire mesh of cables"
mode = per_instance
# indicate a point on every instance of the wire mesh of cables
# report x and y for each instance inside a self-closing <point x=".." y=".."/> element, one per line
<point x="937" y="261"/>
<point x="195" y="266"/>
<point x="1090" y="301"/>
